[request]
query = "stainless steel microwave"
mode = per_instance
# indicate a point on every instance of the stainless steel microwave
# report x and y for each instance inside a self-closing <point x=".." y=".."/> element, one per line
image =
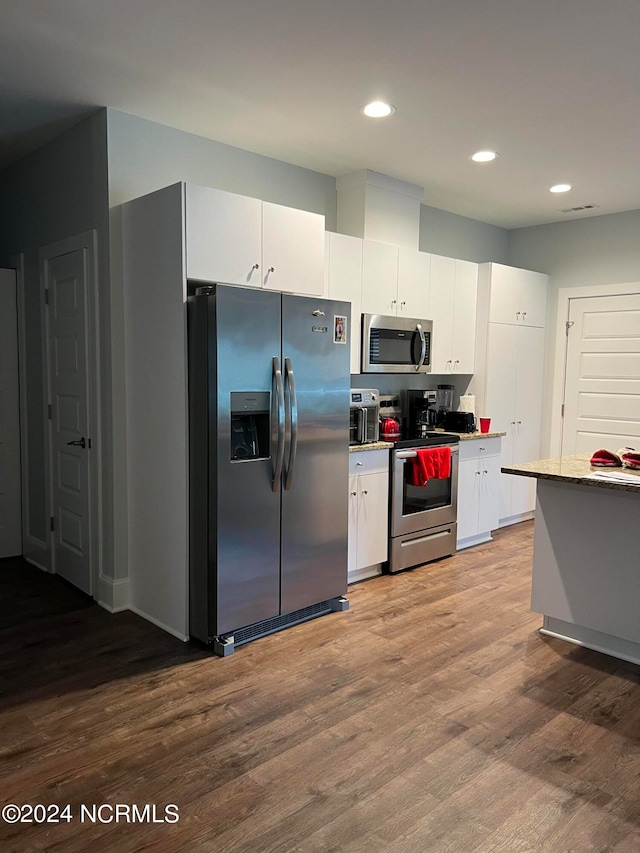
<point x="396" y="344"/>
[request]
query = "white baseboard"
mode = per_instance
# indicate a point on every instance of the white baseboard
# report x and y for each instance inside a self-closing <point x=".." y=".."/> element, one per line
<point x="364" y="573"/>
<point x="516" y="519"/>
<point x="113" y="595"/>
<point x="159" y="624"/>
<point x="470" y="541"/>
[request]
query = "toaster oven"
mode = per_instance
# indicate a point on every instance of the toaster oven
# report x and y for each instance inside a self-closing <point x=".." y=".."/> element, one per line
<point x="364" y="416"/>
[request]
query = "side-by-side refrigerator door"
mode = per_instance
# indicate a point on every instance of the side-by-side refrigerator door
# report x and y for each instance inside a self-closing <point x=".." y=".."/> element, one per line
<point x="315" y="349"/>
<point x="248" y="434"/>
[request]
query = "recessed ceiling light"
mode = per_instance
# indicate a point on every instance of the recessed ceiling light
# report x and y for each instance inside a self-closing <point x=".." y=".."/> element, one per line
<point x="484" y="156"/>
<point x="560" y="188"/>
<point x="378" y="109"/>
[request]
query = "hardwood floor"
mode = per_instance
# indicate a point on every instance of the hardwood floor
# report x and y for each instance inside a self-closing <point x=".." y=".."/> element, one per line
<point x="430" y="717"/>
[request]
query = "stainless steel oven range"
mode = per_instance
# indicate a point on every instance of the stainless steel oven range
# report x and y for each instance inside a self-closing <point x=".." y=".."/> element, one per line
<point x="423" y="518"/>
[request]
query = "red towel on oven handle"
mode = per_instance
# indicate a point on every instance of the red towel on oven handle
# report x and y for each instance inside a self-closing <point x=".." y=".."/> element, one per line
<point x="430" y="463"/>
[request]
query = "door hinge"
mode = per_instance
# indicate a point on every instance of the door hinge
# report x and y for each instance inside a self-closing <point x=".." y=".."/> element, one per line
<point x="567" y="326"/>
<point x="52" y="523"/>
<point x="562" y="411"/>
<point x="49" y="411"/>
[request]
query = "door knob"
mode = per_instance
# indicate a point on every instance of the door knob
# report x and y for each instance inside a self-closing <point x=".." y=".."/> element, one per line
<point x="81" y="443"/>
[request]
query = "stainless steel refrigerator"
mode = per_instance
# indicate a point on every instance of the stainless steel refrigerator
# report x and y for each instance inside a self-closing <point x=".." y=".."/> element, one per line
<point x="269" y="436"/>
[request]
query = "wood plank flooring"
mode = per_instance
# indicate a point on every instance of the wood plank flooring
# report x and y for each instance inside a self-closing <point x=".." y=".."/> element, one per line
<point x="430" y="717"/>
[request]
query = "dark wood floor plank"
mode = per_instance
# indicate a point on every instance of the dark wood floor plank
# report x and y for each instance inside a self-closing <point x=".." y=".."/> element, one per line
<point x="430" y="717"/>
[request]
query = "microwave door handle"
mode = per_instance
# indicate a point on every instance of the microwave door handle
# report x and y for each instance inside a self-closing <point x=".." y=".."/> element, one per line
<point x="423" y="347"/>
<point x="279" y="398"/>
<point x="293" y="402"/>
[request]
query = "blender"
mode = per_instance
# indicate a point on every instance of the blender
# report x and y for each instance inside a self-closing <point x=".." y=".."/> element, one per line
<point x="444" y="402"/>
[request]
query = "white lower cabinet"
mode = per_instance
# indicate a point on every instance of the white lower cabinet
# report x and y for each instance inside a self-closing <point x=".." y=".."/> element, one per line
<point x="368" y="513"/>
<point x="478" y="490"/>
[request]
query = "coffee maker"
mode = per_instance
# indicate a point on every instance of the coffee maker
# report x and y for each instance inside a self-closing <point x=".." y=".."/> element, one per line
<point x="444" y="402"/>
<point x="421" y="412"/>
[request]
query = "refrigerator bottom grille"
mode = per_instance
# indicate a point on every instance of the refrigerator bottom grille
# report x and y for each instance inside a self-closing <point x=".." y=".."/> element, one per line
<point x="225" y="644"/>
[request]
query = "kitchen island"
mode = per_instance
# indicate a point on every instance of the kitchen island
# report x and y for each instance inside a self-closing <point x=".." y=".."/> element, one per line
<point x="586" y="554"/>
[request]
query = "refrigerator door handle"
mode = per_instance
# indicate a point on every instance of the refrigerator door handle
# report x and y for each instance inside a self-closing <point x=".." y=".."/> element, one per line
<point x="279" y="400"/>
<point x="290" y="385"/>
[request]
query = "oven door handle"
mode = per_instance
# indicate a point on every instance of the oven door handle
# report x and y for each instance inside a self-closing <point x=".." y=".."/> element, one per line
<point x="423" y="347"/>
<point x="401" y="455"/>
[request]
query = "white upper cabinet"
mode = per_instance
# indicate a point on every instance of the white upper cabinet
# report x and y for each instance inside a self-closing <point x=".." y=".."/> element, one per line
<point x="234" y="239"/>
<point x="395" y="280"/>
<point x="344" y="281"/>
<point x="379" y="278"/>
<point x="292" y="249"/>
<point x="517" y="296"/>
<point x="452" y="307"/>
<point x="224" y="236"/>
<point x="414" y="272"/>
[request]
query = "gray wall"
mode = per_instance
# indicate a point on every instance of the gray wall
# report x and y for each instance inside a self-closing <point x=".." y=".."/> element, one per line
<point x="145" y="156"/>
<point x="578" y="253"/>
<point x="56" y="192"/>
<point x="453" y="236"/>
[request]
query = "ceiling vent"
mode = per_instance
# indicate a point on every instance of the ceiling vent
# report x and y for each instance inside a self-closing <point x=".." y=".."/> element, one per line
<point x="579" y="208"/>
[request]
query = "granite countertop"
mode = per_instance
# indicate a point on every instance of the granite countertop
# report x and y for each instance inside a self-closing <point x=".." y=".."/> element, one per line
<point x="472" y="436"/>
<point x="375" y="445"/>
<point x="574" y="469"/>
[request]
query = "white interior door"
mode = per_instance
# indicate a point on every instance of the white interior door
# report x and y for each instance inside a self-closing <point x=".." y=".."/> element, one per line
<point x="66" y="284"/>
<point x="10" y="485"/>
<point x="602" y="385"/>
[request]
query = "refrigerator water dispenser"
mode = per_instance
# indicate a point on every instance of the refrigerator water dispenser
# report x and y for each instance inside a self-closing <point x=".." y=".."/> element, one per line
<point x="250" y="417"/>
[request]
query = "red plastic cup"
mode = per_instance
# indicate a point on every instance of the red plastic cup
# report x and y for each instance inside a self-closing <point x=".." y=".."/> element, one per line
<point x="485" y="424"/>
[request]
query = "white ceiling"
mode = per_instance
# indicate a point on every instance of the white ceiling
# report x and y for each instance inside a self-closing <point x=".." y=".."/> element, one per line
<point x="553" y="85"/>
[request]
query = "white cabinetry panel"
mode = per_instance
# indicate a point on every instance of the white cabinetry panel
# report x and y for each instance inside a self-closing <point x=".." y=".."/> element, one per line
<point x="344" y="281"/>
<point x="368" y="513"/>
<point x="292" y="250"/>
<point x="517" y="296"/>
<point x="223" y="236"/>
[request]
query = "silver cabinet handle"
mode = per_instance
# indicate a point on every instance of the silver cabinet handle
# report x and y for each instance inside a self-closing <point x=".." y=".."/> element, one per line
<point x="402" y="304"/>
<point x="524" y="315"/>
<point x="255" y="267"/>
<point x="278" y="398"/>
<point x="365" y="492"/>
<point x="291" y="397"/>
<point x="482" y="448"/>
<point x="359" y="464"/>
<point x="353" y="494"/>
<point x="517" y="314"/>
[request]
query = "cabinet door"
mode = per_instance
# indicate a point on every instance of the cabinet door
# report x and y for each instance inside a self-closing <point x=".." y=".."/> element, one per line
<point x="468" y="493"/>
<point x="441" y="306"/>
<point x="223" y="236"/>
<point x="344" y="264"/>
<point x="373" y="519"/>
<point x="518" y="296"/>
<point x="489" y="499"/>
<point x="292" y="250"/>
<point x="500" y="398"/>
<point x="414" y="269"/>
<point x="463" y="343"/>
<point x="379" y="278"/>
<point x="528" y="414"/>
<point x="352" y="550"/>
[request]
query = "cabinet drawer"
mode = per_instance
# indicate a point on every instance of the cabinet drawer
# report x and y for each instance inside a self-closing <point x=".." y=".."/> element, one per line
<point x="480" y="447"/>
<point x="369" y="462"/>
